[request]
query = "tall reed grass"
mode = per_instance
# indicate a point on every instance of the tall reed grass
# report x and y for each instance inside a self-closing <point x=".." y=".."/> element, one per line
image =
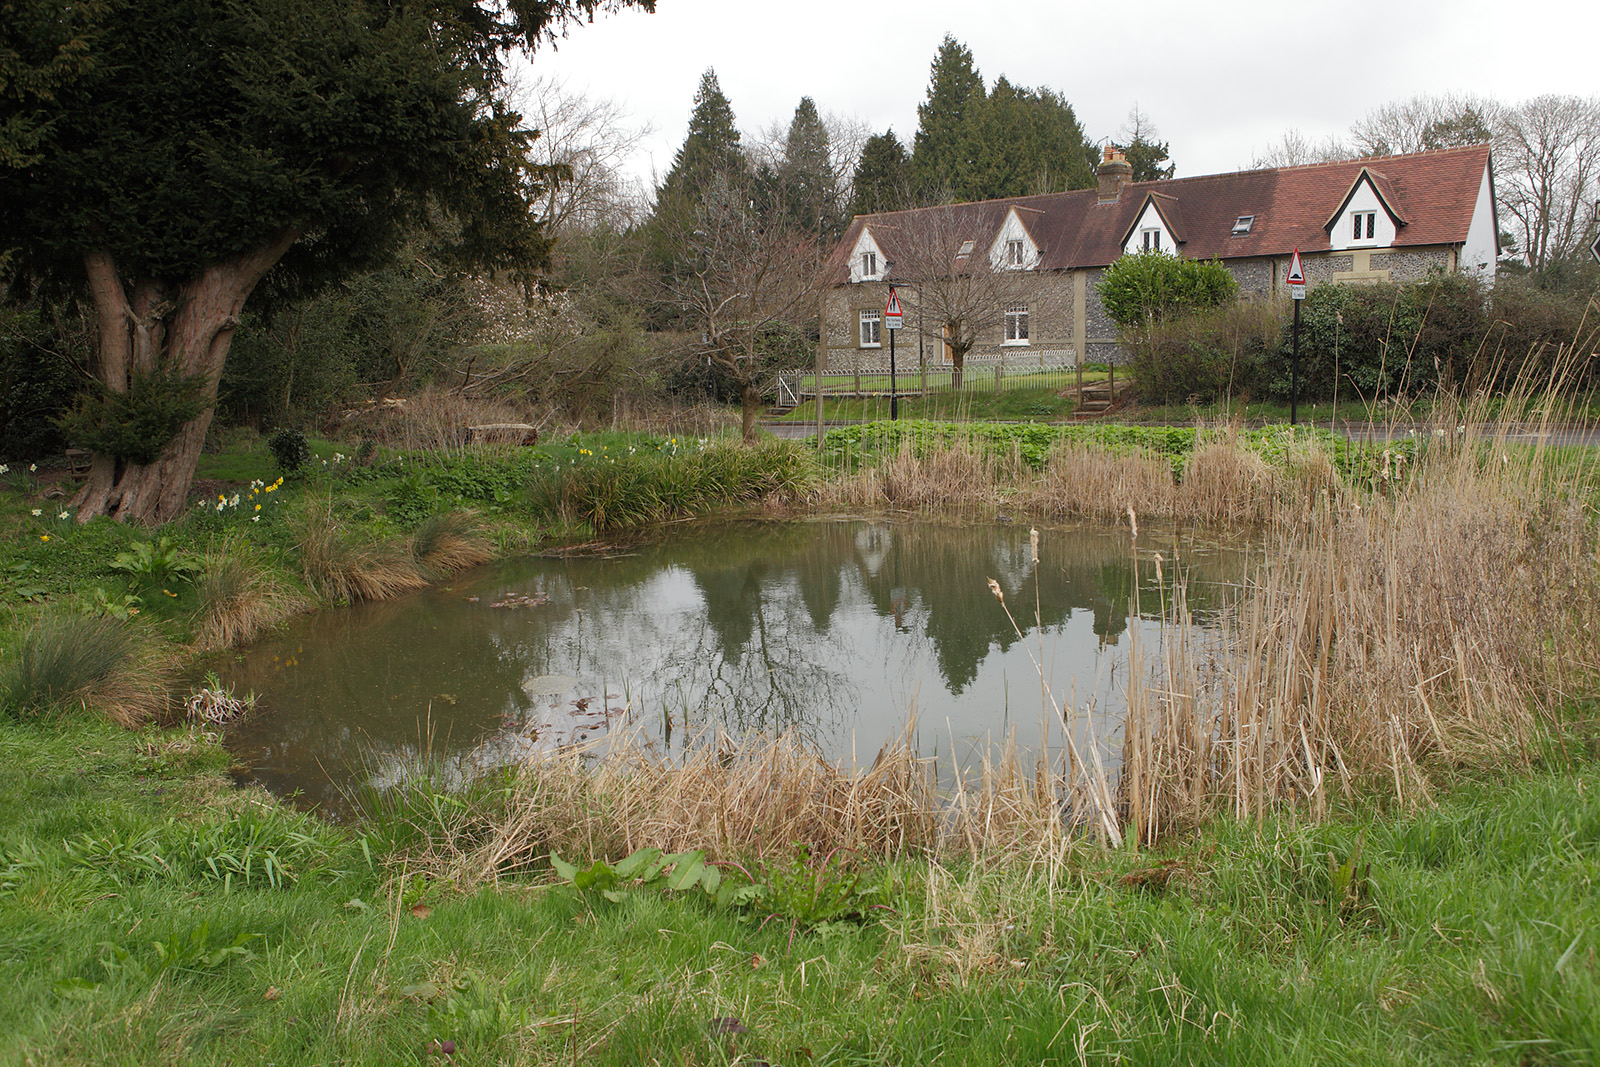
<point x="1446" y="617"/>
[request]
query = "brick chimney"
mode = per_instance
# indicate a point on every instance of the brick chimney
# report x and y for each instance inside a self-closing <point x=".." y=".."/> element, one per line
<point x="1115" y="172"/>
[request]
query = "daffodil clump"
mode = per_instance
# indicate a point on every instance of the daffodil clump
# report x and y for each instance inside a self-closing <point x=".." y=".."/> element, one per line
<point x="254" y="503"/>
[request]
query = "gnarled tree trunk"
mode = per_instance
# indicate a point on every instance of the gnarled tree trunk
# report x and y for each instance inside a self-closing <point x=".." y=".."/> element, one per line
<point x="145" y="325"/>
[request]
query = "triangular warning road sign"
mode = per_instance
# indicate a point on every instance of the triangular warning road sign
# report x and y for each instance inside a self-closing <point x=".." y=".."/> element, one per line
<point x="893" y="306"/>
<point x="1297" y="273"/>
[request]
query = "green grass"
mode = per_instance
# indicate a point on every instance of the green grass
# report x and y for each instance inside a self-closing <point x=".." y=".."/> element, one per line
<point x="140" y="921"/>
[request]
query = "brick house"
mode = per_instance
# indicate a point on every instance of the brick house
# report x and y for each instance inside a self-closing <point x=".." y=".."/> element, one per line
<point x="1391" y="218"/>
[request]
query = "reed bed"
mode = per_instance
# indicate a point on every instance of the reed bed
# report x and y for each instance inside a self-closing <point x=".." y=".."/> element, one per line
<point x="765" y="798"/>
<point x="1443" y="619"/>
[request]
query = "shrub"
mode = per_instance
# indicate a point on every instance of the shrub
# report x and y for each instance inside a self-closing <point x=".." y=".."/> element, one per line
<point x="1204" y="356"/>
<point x="1529" y="324"/>
<point x="136" y="425"/>
<point x="290" y="450"/>
<point x="61" y="660"/>
<point x="1142" y="289"/>
<point x="1372" y="341"/>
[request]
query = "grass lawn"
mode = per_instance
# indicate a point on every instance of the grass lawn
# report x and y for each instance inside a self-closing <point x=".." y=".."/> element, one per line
<point x="141" y="922"/>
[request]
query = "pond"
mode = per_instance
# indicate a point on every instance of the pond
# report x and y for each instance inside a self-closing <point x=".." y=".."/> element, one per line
<point x="842" y="630"/>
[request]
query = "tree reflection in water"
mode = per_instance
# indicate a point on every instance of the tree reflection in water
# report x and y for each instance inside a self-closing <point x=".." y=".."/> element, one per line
<point x="838" y="629"/>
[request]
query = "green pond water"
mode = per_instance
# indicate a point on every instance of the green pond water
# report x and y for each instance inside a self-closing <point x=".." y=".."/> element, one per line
<point x="841" y="630"/>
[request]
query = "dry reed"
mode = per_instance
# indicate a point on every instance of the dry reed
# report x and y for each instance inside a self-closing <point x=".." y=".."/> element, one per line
<point x="1443" y="619"/>
<point x="447" y="543"/>
<point x="339" y="571"/>
<point x="240" y="595"/>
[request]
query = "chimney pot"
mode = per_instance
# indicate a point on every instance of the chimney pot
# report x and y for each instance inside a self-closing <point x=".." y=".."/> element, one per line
<point x="1115" y="172"/>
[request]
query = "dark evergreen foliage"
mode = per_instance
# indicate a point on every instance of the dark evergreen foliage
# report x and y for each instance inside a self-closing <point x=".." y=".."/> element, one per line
<point x="882" y="180"/>
<point x="811" y="189"/>
<point x="940" y="154"/>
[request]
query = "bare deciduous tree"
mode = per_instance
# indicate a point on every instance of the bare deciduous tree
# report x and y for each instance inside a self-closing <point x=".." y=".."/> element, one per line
<point x="588" y="141"/>
<point x="1547" y="160"/>
<point x="954" y="287"/>
<point x="1295" y="149"/>
<point x="1423" y="123"/>
<point x="742" y="275"/>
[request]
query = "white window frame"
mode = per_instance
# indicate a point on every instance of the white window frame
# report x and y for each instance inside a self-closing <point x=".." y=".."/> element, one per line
<point x="1152" y="238"/>
<point x="869" y="264"/>
<point x="1371" y="218"/>
<point x="871" y="328"/>
<point x="1016" y="324"/>
<point x="1016" y="254"/>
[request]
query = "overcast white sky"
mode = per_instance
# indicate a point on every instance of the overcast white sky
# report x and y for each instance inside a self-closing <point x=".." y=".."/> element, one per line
<point x="1221" y="79"/>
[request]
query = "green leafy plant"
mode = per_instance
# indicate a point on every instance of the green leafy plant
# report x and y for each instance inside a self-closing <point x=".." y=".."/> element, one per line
<point x="122" y="608"/>
<point x="650" y="868"/>
<point x="290" y="449"/>
<point x="153" y="563"/>
<point x="813" y="894"/>
<point x="24" y="580"/>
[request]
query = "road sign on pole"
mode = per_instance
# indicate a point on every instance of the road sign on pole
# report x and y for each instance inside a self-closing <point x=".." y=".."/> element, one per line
<point x="1297" y="289"/>
<point x="893" y="319"/>
<point x="1594" y="249"/>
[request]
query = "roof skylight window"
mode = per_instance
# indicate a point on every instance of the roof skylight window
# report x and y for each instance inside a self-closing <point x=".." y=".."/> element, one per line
<point x="1242" y="224"/>
<point x="966" y="248"/>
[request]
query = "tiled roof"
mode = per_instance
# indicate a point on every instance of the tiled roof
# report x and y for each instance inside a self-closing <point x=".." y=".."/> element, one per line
<point x="1434" y="193"/>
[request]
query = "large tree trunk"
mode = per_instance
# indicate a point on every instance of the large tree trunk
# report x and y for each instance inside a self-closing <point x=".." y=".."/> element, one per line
<point x="145" y="326"/>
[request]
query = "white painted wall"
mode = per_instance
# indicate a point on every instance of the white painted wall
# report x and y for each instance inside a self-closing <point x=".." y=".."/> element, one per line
<point x="1482" y="248"/>
<point x="1365" y="199"/>
<point x="865" y="243"/>
<point x="1150" y="219"/>
<point x="1013" y="230"/>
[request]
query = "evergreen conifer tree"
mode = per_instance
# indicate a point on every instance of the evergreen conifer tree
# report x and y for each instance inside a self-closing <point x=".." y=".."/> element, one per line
<point x="882" y="180"/>
<point x="810" y="186"/>
<point x="941" y="154"/>
<point x="711" y="147"/>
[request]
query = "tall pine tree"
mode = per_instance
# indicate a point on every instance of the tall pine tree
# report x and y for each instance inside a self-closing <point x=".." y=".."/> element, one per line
<point x="1025" y="141"/>
<point x="811" y="190"/>
<point x="711" y="147"/>
<point x="941" y="153"/>
<point x="882" y="180"/>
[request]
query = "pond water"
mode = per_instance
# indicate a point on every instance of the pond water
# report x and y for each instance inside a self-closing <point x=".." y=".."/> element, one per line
<point x="839" y="629"/>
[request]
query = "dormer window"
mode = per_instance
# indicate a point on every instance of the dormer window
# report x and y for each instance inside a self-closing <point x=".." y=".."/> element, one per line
<point x="1360" y="219"/>
<point x="1242" y="224"/>
<point x="1152" y="240"/>
<point x="1014" y="253"/>
<point x="869" y="264"/>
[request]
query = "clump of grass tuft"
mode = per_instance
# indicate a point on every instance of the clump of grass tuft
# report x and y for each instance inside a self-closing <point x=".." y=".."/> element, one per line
<point x="447" y="543"/>
<point x="339" y="571"/>
<point x="240" y="596"/>
<point x="77" y="660"/>
<point x="642" y="486"/>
